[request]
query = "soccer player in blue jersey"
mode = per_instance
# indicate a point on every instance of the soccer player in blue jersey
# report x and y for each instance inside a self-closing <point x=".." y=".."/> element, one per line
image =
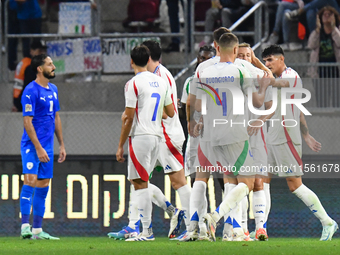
<point x="41" y="120"/>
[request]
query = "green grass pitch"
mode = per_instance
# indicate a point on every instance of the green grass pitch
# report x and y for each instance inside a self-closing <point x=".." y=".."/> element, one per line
<point x="161" y="246"/>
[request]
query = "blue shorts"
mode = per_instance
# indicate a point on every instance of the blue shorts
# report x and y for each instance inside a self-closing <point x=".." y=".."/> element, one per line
<point x="32" y="165"/>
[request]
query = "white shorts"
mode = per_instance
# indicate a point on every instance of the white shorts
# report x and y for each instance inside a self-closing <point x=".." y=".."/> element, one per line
<point x="235" y="159"/>
<point x="205" y="156"/>
<point x="260" y="159"/>
<point x="170" y="156"/>
<point x="143" y="153"/>
<point x="285" y="160"/>
<point x="190" y="155"/>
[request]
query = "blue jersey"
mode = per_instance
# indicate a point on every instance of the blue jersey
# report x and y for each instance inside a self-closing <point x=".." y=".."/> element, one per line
<point x="42" y="104"/>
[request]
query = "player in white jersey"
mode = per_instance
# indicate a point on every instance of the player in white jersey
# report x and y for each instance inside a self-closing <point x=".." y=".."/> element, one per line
<point x="146" y="97"/>
<point x="284" y="142"/>
<point x="171" y="157"/>
<point x="199" y="187"/>
<point x="257" y="141"/>
<point x="230" y="143"/>
<point x="205" y="53"/>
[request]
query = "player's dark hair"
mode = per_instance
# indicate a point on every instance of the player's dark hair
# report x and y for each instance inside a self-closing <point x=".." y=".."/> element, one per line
<point x="228" y="40"/>
<point x="208" y="48"/>
<point x="140" y="55"/>
<point x="37" y="61"/>
<point x="155" y="49"/>
<point x="219" y="32"/>
<point x="272" y="50"/>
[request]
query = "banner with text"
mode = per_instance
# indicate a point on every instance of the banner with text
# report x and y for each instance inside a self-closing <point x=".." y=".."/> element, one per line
<point x="76" y="55"/>
<point x="116" y="53"/>
<point x="75" y="18"/>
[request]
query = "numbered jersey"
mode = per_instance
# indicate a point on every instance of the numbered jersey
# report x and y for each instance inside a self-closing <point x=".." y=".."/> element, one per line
<point x="277" y="133"/>
<point x="172" y="127"/>
<point x="224" y="125"/>
<point x="148" y="94"/>
<point x="42" y="104"/>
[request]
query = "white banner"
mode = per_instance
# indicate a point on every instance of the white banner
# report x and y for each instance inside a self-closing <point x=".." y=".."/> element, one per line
<point x="76" y="55"/>
<point x="75" y="18"/>
<point x="116" y="53"/>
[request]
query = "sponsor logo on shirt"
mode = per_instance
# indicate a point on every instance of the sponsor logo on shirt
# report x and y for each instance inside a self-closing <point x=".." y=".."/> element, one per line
<point x="29" y="97"/>
<point x="28" y="107"/>
<point x="43" y="98"/>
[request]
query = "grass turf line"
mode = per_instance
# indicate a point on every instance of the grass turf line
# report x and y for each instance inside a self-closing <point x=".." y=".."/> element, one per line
<point x="161" y="246"/>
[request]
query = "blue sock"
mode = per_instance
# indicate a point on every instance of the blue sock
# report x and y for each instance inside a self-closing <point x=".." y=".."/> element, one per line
<point x="39" y="206"/>
<point x="26" y="203"/>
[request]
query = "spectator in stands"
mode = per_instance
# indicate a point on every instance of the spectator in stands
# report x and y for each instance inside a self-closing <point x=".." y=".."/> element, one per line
<point x="24" y="74"/>
<point x="226" y="10"/>
<point x="29" y="16"/>
<point x="13" y="28"/>
<point x="324" y="42"/>
<point x="282" y="23"/>
<point x="311" y="10"/>
<point x="173" y="10"/>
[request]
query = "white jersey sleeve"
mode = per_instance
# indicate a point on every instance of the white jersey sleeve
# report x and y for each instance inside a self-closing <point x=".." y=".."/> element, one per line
<point x="130" y="95"/>
<point x="186" y="89"/>
<point x="288" y="126"/>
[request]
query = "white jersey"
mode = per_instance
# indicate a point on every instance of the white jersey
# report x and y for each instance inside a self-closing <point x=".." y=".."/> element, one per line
<point x="186" y="89"/>
<point x="218" y="80"/>
<point x="148" y="94"/>
<point x="259" y="139"/>
<point x="171" y="126"/>
<point x="199" y="69"/>
<point x="277" y="133"/>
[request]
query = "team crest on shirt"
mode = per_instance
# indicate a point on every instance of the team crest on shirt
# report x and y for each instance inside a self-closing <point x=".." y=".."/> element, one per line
<point x="29" y="165"/>
<point x="55" y="95"/>
<point x="50" y="96"/>
<point x="28" y="107"/>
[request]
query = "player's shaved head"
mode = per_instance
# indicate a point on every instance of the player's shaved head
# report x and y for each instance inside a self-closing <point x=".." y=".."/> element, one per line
<point x="140" y="55"/>
<point x="228" y="41"/>
<point x="155" y="49"/>
<point x="37" y="61"/>
<point x="219" y="32"/>
<point x="272" y="50"/>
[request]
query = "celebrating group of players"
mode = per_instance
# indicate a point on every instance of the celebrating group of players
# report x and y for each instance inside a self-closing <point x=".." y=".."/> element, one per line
<point x="223" y="136"/>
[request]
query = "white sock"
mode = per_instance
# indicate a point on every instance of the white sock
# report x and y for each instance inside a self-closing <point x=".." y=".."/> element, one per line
<point x="228" y="221"/>
<point x="184" y="195"/>
<point x="199" y="203"/>
<point x="266" y="188"/>
<point x="259" y="200"/>
<point x="24" y="225"/>
<point x="145" y="209"/>
<point x="227" y="188"/>
<point x="236" y="215"/>
<point x="158" y="198"/>
<point x="133" y="209"/>
<point x="36" y="231"/>
<point x="233" y="197"/>
<point x="244" y="223"/>
<point x="313" y="203"/>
